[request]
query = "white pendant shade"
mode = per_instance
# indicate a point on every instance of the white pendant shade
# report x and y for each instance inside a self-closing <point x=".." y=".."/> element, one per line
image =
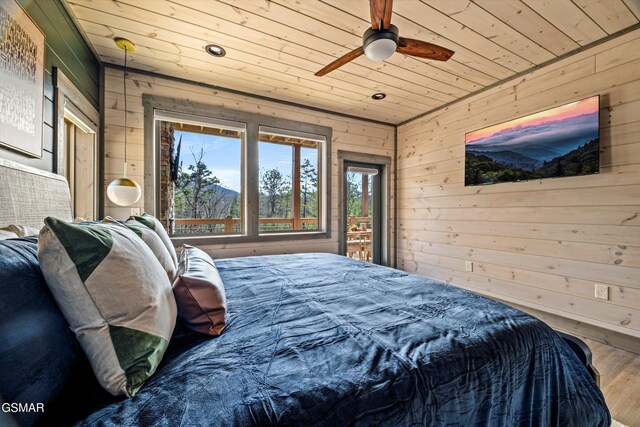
<point x="124" y="191"/>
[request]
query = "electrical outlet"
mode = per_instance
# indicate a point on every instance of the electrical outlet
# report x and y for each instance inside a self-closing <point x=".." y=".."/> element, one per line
<point x="136" y="211"/>
<point x="468" y="265"/>
<point x="601" y="291"/>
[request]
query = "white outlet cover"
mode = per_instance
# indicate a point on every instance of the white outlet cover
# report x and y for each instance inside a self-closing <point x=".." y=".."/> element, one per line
<point x="468" y="265"/>
<point x="601" y="291"/>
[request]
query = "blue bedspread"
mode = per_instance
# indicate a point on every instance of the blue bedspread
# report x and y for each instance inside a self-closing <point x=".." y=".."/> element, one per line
<point x="319" y="339"/>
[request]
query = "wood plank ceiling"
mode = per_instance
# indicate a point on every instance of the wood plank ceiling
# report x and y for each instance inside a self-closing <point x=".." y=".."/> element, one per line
<point x="274" y="47"/>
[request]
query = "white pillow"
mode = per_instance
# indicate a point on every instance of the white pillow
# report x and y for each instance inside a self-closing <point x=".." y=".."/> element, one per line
<point x="154" y="242"/>
<point x="4" y="235"/>
<point x="154" y="224"/>
<point x="115" y="296"/>
<point x="21" y="230"/>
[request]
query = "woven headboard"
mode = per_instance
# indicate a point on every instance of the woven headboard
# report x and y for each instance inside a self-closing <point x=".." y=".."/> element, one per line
<point x="28" y="195"/>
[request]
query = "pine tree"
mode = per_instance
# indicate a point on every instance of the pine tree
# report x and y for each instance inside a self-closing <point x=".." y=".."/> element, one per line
<point x="308" y="187"/>
<point x="197" y="185"/>
<point x="354" y="196"/>
<point x="273" y="186"/>
<point x="234" y="209"/>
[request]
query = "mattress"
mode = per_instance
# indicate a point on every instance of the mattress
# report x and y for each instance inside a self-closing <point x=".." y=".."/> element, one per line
<point x="324" y="340"/>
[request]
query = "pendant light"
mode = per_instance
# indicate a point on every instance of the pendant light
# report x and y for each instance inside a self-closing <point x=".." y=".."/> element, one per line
<point x="124" y="191"/>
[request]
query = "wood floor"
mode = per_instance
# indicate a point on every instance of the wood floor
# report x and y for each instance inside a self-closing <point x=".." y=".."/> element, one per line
<point x="619" y="380"/>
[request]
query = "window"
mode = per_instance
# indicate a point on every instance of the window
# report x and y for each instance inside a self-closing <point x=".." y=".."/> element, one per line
<point x="201" y="176"/>
<point x="251" y="178"/>
<point x="289" y="190"/>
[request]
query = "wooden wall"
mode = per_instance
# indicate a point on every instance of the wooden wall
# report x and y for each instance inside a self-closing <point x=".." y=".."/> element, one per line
<point x="67" y="50"/>
<point x="348" y="134"/>
<point x="540" y="244"/>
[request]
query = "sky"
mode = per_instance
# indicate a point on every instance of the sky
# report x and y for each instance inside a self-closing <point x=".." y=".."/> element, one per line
<point x="555" y="131"/>
<point x="222" y="156"/>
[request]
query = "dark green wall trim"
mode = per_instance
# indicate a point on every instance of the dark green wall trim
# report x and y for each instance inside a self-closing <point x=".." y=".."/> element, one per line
<point x="251" y="95"/>
<point x="67" y="50"/>
<point x="525" y="72"/>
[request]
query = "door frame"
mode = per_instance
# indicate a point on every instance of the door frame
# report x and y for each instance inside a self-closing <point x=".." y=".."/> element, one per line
<point x="71" y="104"/>
<point x="384" y="162"/>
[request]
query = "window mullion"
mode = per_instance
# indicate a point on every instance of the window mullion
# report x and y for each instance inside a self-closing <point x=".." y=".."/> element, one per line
<point x="295" y="189"/>
<point x="252" y="179"/>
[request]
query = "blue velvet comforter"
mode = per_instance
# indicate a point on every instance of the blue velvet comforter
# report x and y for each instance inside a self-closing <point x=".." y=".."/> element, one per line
<point x="319" y="339"/>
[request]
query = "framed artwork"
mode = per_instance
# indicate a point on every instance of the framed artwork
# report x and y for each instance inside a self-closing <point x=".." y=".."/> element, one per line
<point x="22" y="52"/>
<point x="562" y="141"/>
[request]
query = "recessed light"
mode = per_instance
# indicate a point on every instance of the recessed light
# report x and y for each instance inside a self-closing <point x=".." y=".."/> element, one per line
<point x="215" y="50"/>
<point x="378" y="96"/>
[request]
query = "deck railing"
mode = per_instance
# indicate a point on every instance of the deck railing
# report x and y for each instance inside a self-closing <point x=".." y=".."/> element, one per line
<point x="230" y="224"/>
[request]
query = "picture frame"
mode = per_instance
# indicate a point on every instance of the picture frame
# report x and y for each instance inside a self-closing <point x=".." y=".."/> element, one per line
<point x="562" y="141"/>
<point x="22" y="56"/>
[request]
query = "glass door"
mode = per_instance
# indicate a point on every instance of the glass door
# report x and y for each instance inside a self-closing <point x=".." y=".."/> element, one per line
<point x="363" y="205"/>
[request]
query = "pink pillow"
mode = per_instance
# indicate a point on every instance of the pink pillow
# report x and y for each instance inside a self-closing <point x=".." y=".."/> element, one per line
<point x="199" y="292"/>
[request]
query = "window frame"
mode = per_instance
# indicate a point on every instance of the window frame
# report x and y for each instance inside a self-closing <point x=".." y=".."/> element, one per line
<point x="192" y="119"/>
<point x="254" y="123"/>
<point x="322" y="178"/>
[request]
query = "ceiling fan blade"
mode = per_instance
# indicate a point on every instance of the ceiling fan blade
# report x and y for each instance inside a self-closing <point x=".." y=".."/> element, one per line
<point x="341" y="61"/>
<point x="380" y="13"/>
<point x="423" y="49"/>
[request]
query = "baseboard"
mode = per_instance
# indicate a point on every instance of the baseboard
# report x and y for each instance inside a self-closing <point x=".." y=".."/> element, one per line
<point x="584" y="330"/>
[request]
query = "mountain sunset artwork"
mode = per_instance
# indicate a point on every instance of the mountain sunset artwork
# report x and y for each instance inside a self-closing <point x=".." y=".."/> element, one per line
<point x="561" y="141"/>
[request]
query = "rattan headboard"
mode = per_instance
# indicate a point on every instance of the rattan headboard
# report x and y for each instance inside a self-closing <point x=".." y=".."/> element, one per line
<point x="28" y="195"/>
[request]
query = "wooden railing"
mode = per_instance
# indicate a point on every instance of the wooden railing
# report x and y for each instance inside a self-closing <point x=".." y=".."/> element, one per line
<point x="230" y="222"/>
<point x="359" y="221"/>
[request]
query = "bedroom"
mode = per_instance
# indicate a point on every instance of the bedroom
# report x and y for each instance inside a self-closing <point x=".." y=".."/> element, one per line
<point x="290" y="154"/>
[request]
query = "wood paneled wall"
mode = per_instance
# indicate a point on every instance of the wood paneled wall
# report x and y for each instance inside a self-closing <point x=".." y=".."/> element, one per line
<point x="67" y="50"/>
<point x="540" y="244"/>
<point x="348" y="134"/>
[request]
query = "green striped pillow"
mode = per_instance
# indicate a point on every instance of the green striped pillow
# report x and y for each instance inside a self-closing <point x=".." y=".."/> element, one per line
<point x="115" y="295"/>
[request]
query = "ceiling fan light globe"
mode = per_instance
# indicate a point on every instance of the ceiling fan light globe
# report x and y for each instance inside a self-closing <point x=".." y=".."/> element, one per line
<point x="379" y="45"/>
<point x="124" y="191"/>
<point x="381" y="49"/>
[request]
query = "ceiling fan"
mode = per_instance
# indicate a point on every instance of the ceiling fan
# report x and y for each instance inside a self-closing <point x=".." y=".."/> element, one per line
<point x="382" y="39"/>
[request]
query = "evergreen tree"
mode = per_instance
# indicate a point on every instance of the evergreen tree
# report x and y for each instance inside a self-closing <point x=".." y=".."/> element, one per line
<point x="308" y="188"/>
<point x="197" y="184"/>
<point x="234" y="210"/>
<point x="354" y="195"/>
<point x="273" y="185"/>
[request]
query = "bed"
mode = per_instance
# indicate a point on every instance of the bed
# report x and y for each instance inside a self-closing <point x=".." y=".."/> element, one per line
<point x="321" y="339"/>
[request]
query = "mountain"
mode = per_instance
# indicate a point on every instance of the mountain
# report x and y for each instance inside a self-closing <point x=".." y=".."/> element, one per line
<point x="544" y="140"/>
<point x="510" y="159"/>
<point x="223" y="191"/>
<point x="581" y="161"/>
<point x="539" y="153"/>
<point x="481" y="169"/>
